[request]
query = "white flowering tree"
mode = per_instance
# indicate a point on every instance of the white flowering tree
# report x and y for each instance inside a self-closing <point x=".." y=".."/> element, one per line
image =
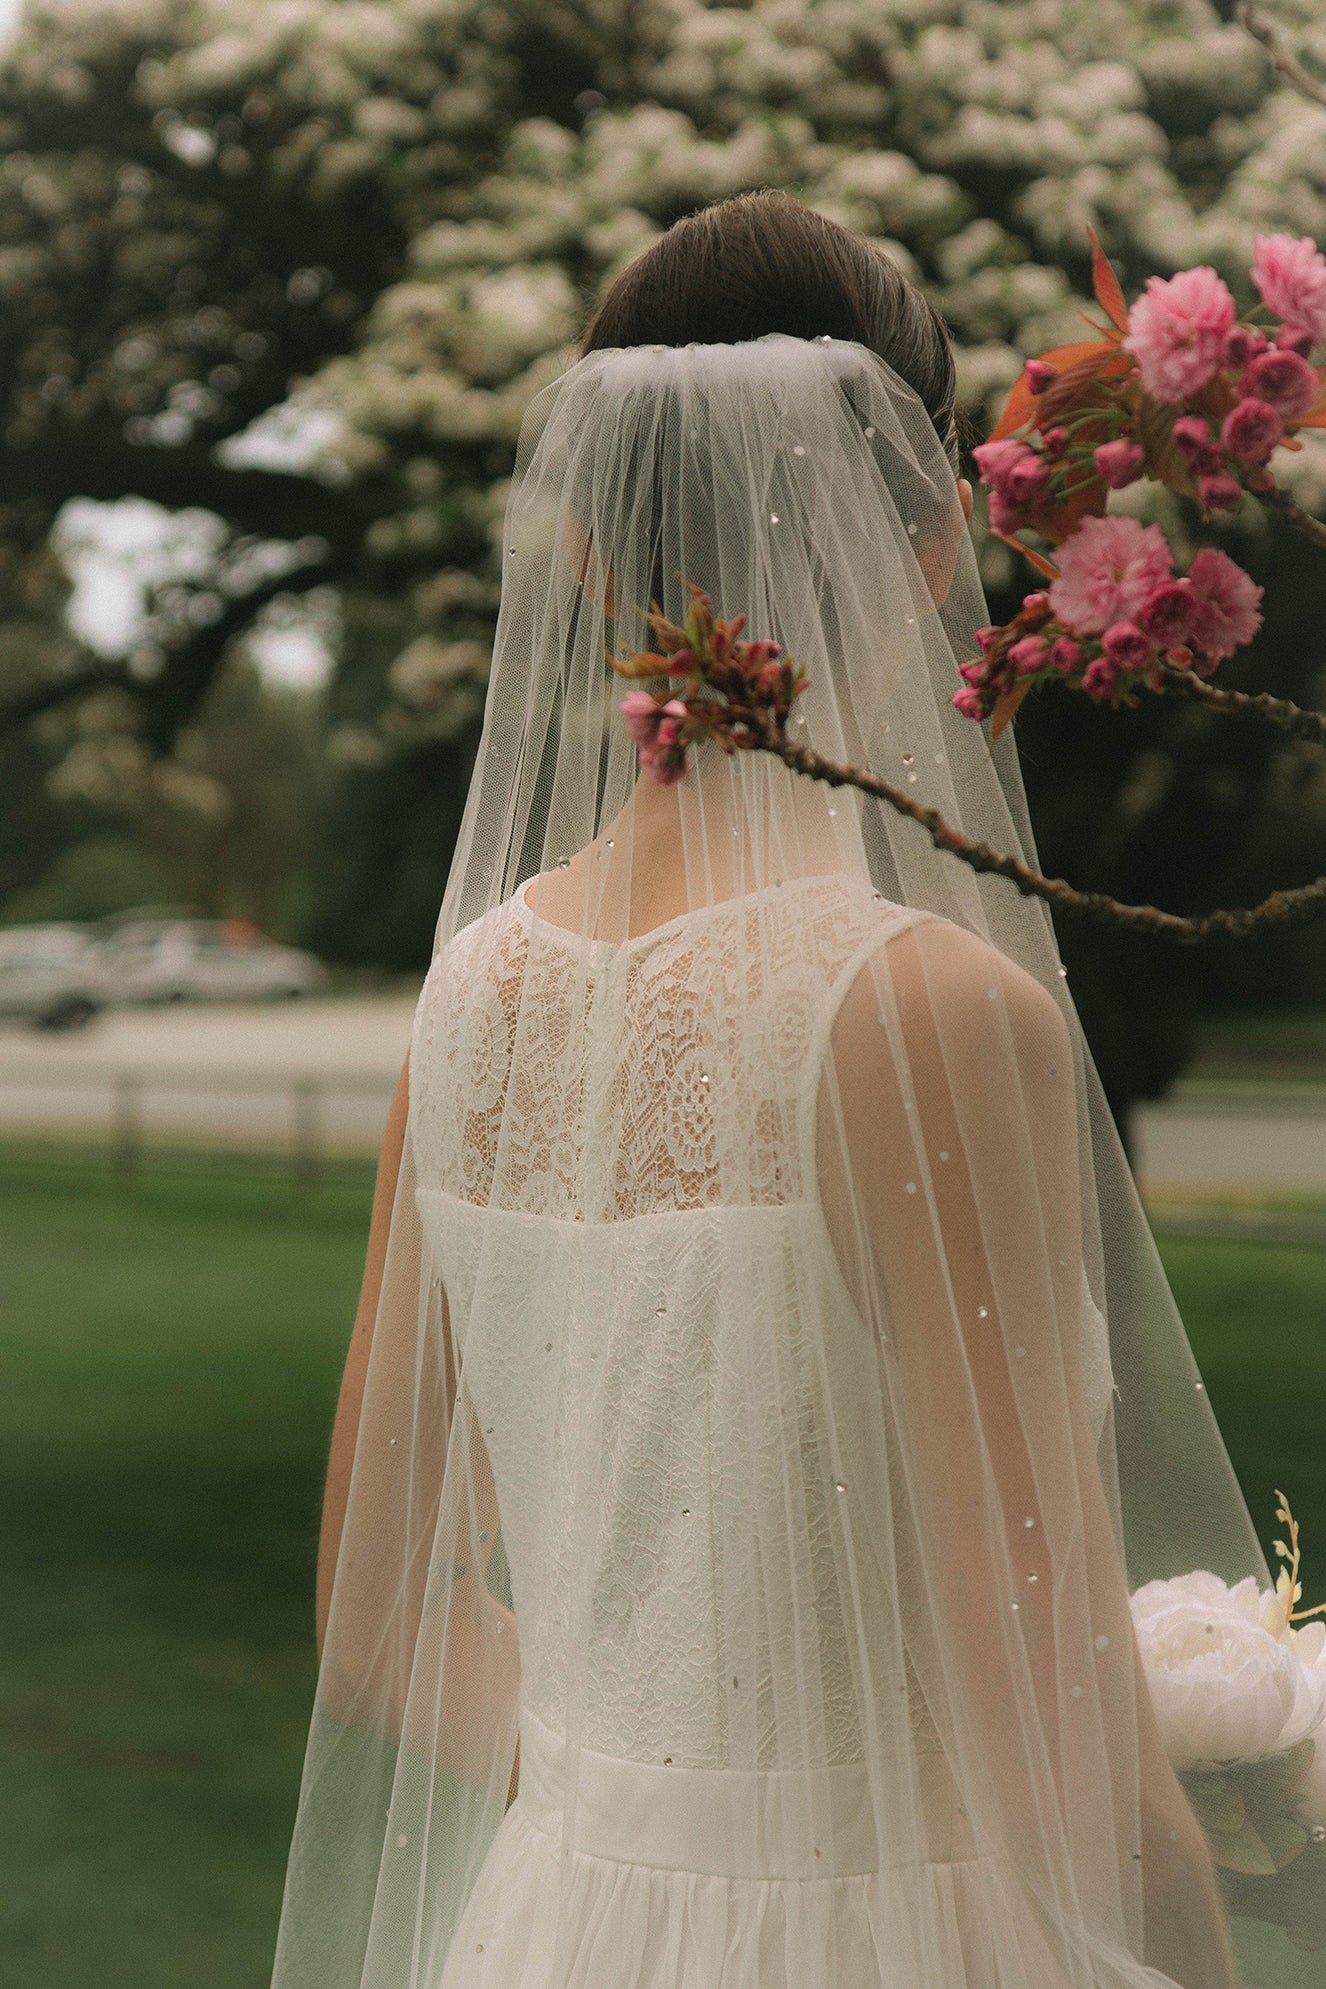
<point x="391" y="217"/>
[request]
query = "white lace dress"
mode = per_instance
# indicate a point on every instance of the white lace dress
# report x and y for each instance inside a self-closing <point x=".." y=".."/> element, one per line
<point x="627" y="1309"/>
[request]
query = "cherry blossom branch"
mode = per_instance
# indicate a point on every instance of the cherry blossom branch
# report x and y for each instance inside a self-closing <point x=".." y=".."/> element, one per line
<point x="758" y="685"/>
<point x="1291" y="907"/>
<point x="1291" y="718"/>
<point x="1297" y="77"/>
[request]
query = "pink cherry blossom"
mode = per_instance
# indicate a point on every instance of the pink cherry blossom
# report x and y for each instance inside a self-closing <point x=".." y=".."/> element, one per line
<point x="1177" y="329"/>
<point x="970" y="703"/>
<point x="1065" y="654"/>
<point x="1106" y="570"/>
<point x="1054" y="440"/>
<point x="1290" y="275"/>
<point x="1251" y="430"/>
<point x="1169" y="612"/>
<point x="1284" y="380"/>
<point x="1227" y="597"/>
<point x="1120" y="463"/>
<point x="642" y="713"/>
<point x="1127" y="646"/>
<point x="1039" y="374"/>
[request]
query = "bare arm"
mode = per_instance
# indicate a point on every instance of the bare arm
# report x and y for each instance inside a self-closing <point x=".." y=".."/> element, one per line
<point x="345" y="1429"/>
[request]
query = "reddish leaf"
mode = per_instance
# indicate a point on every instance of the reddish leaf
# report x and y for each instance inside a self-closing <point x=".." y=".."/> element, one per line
<point x="1007" y="706"/>
<point x="1038" y="560"/>
<point x="1022" y="405"/>
<point x="1106" y="285"/>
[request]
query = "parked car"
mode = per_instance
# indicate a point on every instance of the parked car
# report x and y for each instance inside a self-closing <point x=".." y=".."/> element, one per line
<point x="50" y="975"/>
<point x="188" y="959"/>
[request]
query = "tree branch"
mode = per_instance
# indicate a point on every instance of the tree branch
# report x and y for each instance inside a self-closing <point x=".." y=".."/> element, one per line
<point x="1296" y="77"/>
<point x="1293" y="514"/>
<point x="169" y="699"/>
<point x="1291" y="718"/>
<point x="274" y="504"/>
<point x="92" y="676"/>
<point x="1292" y="907"/>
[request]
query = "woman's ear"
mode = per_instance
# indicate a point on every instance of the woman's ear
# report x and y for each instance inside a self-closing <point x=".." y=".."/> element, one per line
<point x="965" y="493"/>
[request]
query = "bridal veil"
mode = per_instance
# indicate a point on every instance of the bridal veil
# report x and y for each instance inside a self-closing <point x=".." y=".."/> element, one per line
<point x="774" y="1392"/>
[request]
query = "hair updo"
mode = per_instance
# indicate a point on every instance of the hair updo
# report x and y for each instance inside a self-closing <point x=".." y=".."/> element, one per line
<point x="761" y="262"/>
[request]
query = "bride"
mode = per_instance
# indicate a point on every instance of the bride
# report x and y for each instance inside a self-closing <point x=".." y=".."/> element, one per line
<point x="764" y="1392"/>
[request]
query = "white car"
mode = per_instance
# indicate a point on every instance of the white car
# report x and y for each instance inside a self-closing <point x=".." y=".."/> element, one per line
<point x="186" y="959"/>
<point x="50" y="975"/>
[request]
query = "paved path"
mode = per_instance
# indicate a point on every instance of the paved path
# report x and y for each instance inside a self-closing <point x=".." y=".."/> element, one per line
<point x="325" y="1070"/>
<point x="320" y="1072"/>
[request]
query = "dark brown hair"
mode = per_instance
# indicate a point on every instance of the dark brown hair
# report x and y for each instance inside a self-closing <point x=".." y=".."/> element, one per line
<point x="761" y="262"/>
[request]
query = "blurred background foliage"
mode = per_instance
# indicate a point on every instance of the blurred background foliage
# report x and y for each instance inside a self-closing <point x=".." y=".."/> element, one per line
<point x="290" y="273"/>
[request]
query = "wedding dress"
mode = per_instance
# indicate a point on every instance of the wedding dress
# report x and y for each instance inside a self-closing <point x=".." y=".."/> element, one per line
<point x="774" y="1392"/>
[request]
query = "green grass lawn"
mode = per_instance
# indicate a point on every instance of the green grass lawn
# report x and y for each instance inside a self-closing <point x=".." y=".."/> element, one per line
<point x="168" y="1370"/>
<point x="173" y="1352"/>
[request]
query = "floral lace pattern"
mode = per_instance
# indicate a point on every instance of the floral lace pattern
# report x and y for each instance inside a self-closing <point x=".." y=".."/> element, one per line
<point x="612" y="1273"/>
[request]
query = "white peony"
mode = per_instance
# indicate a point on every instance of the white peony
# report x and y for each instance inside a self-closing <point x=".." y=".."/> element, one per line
<point x="1224" y="1685"/>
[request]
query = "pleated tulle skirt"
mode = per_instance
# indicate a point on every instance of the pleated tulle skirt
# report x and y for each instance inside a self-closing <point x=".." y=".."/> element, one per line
<point x="652" y="1902"/>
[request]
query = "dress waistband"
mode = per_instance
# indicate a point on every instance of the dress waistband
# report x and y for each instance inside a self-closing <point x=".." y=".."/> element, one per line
<point x="735" y="1823"/>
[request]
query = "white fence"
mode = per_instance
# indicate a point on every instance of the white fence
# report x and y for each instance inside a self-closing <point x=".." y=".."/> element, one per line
<point x="304" y="1117"/>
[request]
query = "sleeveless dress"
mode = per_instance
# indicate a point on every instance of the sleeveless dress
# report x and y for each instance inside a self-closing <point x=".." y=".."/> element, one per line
<point x="601" y="1255"/>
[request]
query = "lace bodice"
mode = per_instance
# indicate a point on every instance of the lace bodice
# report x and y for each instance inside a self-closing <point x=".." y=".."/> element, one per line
<point x="579" y="1209"/>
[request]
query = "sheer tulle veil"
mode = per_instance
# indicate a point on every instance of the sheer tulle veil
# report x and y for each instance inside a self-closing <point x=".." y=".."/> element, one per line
<point x="748" y="1051"/>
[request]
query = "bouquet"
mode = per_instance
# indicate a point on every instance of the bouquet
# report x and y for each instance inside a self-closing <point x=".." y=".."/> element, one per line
<point x="1240" y="1697"/>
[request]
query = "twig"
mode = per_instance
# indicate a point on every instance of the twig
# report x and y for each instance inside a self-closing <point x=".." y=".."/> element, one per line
<point x="1297" y="77"/>
<point x="1297" y="906"/>
<point x="1293" y="514"/>
<point x="1289" y="717"/>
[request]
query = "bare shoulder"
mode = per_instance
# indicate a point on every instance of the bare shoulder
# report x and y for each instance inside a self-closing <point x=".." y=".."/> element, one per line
<point x="935" y="977"/>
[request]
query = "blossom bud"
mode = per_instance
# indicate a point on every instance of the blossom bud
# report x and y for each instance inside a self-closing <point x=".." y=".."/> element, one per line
<point x="1284" y="380"/>
<point x="972" y="673"/>
<point x="1295" y="338"/>
<point x="1220" y="491"/>
<point x="1026" y="480"/>
<point x="1039" y="375"/>
<point x="1035" y="608"/>
<point x="1191" y="435"/>
<point x="994" y="460"/>
<point x="769" y="678"/>
<point x="1251" y="430"/>
<point x="1243" y="344"/>
<point x="987" y="638"/>
<point x="1065" y="654"/>
<point x="1029" y="655"/>
<point x="1126" y="646"/>
<point x="1005" y="516"/>
<point x="970" y="703"/>
<point x="1120" y="463"/>
<point x="1054" y="441"/>
<point x="1099" y="678"/>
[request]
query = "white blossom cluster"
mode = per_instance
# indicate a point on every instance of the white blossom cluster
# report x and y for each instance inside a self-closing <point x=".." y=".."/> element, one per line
<point x="974" y="139"/>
